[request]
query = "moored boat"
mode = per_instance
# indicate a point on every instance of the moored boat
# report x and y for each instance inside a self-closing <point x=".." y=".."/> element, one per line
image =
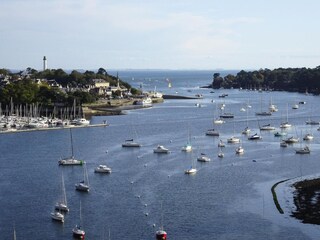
<point x="130" y="143"/>
<point x="161" y="149"/>
<point x="102" y="169"/>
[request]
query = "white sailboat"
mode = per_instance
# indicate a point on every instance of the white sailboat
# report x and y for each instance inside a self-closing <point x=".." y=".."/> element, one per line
<point x="286" y="124"/>
<point x="187" y="147"/>
<point x="192" y="168"/>
<point x="70" y="160"/>
<point x="83" y="185"/>
<point x="77" y="231"/>
<point x="62" y="205"/>
<point x="131" y="142"/>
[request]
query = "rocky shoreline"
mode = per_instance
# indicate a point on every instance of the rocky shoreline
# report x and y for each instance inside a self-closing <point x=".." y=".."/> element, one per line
<point x="306" y="199"/>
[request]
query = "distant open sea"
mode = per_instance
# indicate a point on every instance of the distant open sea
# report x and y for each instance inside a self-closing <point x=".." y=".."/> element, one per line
<point x="228" y="198"/>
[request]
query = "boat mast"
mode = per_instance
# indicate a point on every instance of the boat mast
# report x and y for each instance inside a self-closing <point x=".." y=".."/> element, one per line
<point x="71" y="144"/>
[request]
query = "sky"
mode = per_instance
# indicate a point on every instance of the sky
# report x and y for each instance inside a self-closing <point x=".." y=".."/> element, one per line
<point x="159" y="34"/>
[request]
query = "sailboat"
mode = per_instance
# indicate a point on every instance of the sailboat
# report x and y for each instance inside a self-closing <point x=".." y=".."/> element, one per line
<point x="70" y="160"/>
<point x="57" y="216"/>
<point x="187" y="147"/>
<point x="131" y="142"/>
<point x="286" y="124"/>
<point x="161" y="234"/>
<point x="83" y="185"/>
<point x="192" y="168"/>
<point x="77" y="231"/>
<point x="62" y="205"/>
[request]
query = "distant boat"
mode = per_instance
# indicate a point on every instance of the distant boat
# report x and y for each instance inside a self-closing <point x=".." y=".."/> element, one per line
<point x="239" y="150"/>
<point x="227" y="115"/>
<point x="218" y="121"/>
<point x="130" y="143"/>
<point x="308" y="137"/>
<point x="246" y="131"/>
<point x="77" y="231"/>
<point x="283" y="144"/>
<point x="161" y="234"/>
<point x="280" y="134"/>
<point x="267" y="127"/>
<point x="286" y="124"/>
<point x="255" y="137"/>
<point x="62" y="204"/>
<point x="84" y="184"/>
<point x="263" y="113"/>
<point x="70" y="160"/>
<point x="221" y="144"/>
<point x="102" y="169"/>
<point x="203" y="158"/>
<point x="233" y="140"/>
<point x="212" y="132"/>
<point x="145" y="102"/>
<point x="291" y="140"/>
<point x="161" y="149"/>
<point x="192" y="168"/>
<point x="304" y="150"/>
<point x="312" y="122"/>
<point x="295" y="106"/>
<point x="80" y="121"/>
<point x="57" y="216"/>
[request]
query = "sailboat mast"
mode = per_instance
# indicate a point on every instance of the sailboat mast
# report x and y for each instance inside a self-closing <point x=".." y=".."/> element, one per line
<point x="71" y="143"/>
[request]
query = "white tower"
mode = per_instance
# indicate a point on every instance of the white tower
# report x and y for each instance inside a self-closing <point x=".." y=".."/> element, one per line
<point x="44" y="63"/>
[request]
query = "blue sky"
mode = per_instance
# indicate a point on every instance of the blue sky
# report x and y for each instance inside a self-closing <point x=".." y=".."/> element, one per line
<point x="154" y="34"/>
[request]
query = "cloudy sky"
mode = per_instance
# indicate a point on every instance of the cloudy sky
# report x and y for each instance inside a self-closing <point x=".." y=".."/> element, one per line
<point x="159" y="34"/>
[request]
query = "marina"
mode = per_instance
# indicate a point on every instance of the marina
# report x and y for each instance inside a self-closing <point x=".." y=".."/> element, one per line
<point x="224" y="197"/>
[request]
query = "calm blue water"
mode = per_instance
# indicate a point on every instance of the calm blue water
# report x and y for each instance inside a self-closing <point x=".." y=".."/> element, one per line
<point x="228" y="198"/>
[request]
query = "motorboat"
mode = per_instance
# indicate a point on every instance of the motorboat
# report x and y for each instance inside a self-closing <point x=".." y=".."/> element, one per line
<point x="291" y="140"/>
<point x="146" y="102"/>
<point x="102" y="169"/>
<point x="212" y="132"/>
<point x="267" y="127"/>
<point x="233" y="140"/>
<point x="203" y="158"/>
<point x="304" y="150"/>
<point x="70" y="161"/>
<point x="161" y="149"/>
<point x="220" y="154"/>
<point x="218" y="121"/>
<point x="295" y="106"/>
<point x="130" y="143"/>
<point x="190" y="171"/>
<point x="308" y="137"/>
<point x="239" y="150"/>
<point x="57" y="216"/>
<point x="80" y="122"/>
<point x="255" y="137"/>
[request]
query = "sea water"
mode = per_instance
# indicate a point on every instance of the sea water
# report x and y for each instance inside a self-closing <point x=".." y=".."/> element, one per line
<point x="227" y="198"/>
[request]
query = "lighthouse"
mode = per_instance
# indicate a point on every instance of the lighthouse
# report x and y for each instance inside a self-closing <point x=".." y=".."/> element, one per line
<point x="44" y="63"/>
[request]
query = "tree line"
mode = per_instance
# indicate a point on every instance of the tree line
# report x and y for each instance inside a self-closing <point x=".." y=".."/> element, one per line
<point x="22" y="88"/>
<point x="280" y="79"/>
